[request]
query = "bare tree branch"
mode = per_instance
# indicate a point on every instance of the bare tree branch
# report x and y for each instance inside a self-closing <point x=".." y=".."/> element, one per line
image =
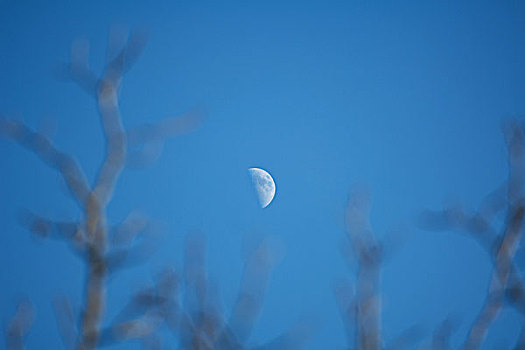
<point x="43" y="148"/>
<point x="501" y="247"/>
<point x="66" y="322"/>
<point x="370" y="255"/>
<point x="19" y="325"/>
<point x="146" y="141"/>
<point x="509" y="243"/>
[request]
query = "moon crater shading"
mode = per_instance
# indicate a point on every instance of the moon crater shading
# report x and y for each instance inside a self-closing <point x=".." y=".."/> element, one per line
<point x="264" y="186"/>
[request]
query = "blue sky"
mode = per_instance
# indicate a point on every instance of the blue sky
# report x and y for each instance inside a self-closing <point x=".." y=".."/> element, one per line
<point x="406" y="97"/>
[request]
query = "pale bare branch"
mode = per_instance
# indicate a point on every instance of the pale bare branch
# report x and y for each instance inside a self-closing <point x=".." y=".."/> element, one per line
<point x="50" y="155"/>
<point x="66" y="322"/>
<point x="19" y="325"/>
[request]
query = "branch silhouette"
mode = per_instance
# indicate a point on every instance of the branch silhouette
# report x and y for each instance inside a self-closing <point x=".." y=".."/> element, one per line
<point x="501" y="244"/>
<point x="360" y="302"/>
<point x="19" y="325"/>
<point x="90" y="236"/>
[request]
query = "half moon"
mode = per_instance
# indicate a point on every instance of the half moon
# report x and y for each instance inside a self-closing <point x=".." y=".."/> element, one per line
<point x="264" y="186"/>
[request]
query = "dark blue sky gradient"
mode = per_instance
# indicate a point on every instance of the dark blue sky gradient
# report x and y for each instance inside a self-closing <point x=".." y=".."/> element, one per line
<point x="406" y="97"/>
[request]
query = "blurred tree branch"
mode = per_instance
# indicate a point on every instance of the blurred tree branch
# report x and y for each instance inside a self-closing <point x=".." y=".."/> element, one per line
<point x="89" y="236"/>
<point x="19" y="325"/>
<point x="360" y="302"/>
<point x="501" y="247"/>
<point x="190" y="307"/>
